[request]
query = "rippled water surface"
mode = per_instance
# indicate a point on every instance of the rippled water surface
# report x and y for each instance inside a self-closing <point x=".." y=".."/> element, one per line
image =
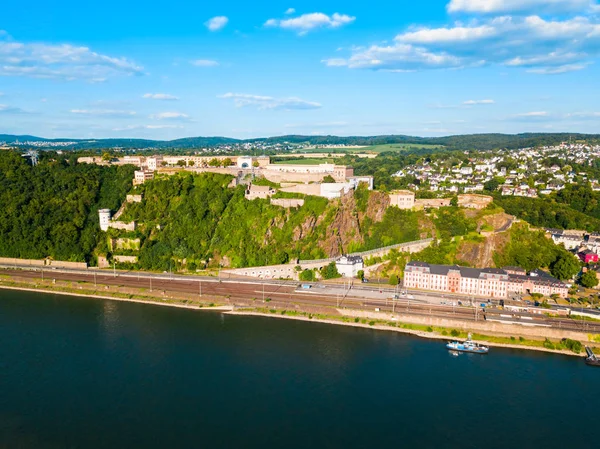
<point x="83" y="373"/>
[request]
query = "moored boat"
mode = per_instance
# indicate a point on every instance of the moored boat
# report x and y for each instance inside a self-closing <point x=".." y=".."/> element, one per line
<point x="591" y="358"/>
<point x="467" y="346"/>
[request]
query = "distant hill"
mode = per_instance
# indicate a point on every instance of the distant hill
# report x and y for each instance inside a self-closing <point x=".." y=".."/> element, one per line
<point x="458" y="142"/>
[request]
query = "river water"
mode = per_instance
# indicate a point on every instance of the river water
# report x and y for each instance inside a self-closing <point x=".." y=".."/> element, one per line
<point x="86" y="373"/>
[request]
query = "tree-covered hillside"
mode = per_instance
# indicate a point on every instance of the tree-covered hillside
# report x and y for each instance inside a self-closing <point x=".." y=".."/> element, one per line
<point x="51" y="210"/>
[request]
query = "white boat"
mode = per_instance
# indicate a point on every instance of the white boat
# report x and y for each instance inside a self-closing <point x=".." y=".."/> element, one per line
<point x="467" y="346"/>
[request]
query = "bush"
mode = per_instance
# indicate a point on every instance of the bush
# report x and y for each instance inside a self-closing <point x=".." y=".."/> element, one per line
<point x="307" y="275"/>
<point x="444" y="333"/>
<point x="429" y="329"/>
<point x="393" y="280"/>
<point x="548" y="344"/>
<point x="356" y="320"/>
<point x="521" y="339"/>
<point x="589" y="279"/>
<point x="573" y="345"/>
<point x="454" y="333"/>
<point x="371" y="323"/>
<point x="330" y="272"/>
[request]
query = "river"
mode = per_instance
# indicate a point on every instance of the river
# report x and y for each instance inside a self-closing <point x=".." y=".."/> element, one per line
<point x="88" y="373"/>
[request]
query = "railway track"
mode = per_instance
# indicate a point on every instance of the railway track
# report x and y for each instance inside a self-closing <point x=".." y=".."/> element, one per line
<point x="285" y="294"/>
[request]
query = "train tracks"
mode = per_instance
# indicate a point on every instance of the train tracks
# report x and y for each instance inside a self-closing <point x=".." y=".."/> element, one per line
<point x="286" y="295"/>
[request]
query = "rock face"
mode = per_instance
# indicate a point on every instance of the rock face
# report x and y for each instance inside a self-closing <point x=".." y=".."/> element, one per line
<point x="481" y="255"/>
<point x="305" y="229"/>
<point x="376" y="206"/>
<point x="344" y="228"/>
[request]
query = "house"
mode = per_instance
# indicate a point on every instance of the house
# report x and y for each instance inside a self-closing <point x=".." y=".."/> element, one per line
<point x="588" y="256"/>
<point x="402" y="199"/>
<point x="487" y="282"/>
<point x="569" y="241"/>
<point x="349" y="266"/>
<point x="141" y="176"/>
<point x="253" y="191"/>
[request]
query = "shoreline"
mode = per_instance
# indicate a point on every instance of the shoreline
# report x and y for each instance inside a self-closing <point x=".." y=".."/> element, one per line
<point x="116" y="298"/>
<point x="229" y="310"/>
<point x="417" y="333"/>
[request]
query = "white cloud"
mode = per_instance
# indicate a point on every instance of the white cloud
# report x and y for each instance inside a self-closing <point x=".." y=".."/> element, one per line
<point x="170" y="116"/>
<point x="397" y="57"/>
<point x="264" y="102"/>
<point x="60" y="61"/>
<point x="503" y="6"/>
<point x="533" y="114"/>
<point x="216" y="23"/>
<point x="584" y="115"/>
<point x="533" y="43"/>
<point x="103" y="112"/>
<point x="290" y="11"/>
<point x="204" y="63"/>
<point x="164" y="97"/>
<point x="456" y="34"/>
<point x="6" y="109"/>
<point x="477" y="102"/>
<point x="307" y="22"/>
<point x="133" y="127"/>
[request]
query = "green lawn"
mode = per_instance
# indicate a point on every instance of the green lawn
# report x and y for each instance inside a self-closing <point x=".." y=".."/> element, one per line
<point x="305" y="161"/>
<point x="395" y="147"/>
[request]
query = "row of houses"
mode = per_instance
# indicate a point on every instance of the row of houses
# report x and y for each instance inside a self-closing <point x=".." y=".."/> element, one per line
<point x="487" y="282"/>
<point x="527" y="174"/>
<point x="585" y="246"/>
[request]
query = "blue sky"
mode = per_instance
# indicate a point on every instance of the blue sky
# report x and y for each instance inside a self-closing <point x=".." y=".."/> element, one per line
<point x="246" y="69"/>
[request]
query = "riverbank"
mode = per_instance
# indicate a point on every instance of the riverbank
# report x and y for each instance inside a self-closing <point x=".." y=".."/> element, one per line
<point x="148" y="300"/>
<point x="408" y="328"/>
<point x="347" y="318"/>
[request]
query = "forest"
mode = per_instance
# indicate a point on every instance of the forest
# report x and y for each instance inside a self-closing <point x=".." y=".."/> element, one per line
<point x="51" y="210"/>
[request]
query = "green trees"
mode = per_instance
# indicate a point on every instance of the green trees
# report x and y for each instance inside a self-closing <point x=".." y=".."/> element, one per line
<point x="307" y="275"/>
<point x="393" y="280"/>
<point x="565" y="266"/>
<point x="51" y="210"/>
<point x="532" y="250"/>
<point x="360" y="275"/>
<point x="589" y="279"/>
<point x="549" y="213"/>
<point x="330" y="272"/>
<point x="328" y="179"/>
<point x="492" y="185"/>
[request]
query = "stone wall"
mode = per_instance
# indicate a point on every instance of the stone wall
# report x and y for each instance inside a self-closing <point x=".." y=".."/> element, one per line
<point x="287" y="202"/>
<point x="122" y="225"/>
<point x="42" y="263"/>
<point x="134" y="198"/>
<point x="125" y="259"/>
<point x="305" y="189"/>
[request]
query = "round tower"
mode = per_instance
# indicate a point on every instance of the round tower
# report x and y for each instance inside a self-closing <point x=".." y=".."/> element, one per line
<point x="104" y="215"/>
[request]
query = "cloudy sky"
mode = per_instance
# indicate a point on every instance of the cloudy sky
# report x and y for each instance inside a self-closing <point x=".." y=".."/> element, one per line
<point x="248" y="69"/>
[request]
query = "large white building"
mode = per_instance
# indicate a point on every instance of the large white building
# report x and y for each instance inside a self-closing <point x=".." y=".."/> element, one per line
<point x="487" y="282"/>
<point x="349" y="266"/>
